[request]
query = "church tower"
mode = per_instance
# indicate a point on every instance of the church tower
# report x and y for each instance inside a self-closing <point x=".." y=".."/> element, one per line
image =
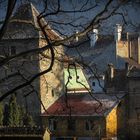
<point x="24" y="34"/>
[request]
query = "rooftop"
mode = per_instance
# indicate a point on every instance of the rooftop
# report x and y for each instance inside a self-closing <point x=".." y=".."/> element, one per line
<point x="85" y="49"/>
<point x="75" y="84"/>
<point x="83" y="104"/>
<point x="24" y="24"/>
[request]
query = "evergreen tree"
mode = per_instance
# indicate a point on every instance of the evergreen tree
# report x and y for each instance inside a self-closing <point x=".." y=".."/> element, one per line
<point x="22" y="114"/>
<point x="28" y="120"/>
<point x="14" y="115"/>
<point x="14" y="112"/>
<point x="1" y="114"/>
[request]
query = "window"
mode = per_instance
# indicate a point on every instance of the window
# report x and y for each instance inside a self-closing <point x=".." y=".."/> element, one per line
<point x="71" y="124"/>
<point x="52" y="124"/>
<point x="12" y="50"/>
<point x="52" y="92"/>
<point x="93" y="84"/>
<point x="89" y="124"/>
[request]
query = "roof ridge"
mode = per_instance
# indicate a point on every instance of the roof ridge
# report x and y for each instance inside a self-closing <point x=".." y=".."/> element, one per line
<point x="34" y="10"/>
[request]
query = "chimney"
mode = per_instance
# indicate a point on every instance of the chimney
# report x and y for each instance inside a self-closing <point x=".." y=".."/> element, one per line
<point x="118" y="31"/>
<point x="76" y="37"/>
<point x="93" y="37"/>
<point x="110" y="71"/>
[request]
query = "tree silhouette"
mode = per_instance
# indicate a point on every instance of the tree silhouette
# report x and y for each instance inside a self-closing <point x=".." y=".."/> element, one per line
<point x="14" y="112"/>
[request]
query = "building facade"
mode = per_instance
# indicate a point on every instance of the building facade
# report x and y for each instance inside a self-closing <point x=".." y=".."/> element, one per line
<point x="82" y="117"/>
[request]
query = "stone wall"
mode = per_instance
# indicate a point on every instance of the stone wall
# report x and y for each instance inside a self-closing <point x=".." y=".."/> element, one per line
<point x="62" y="130"/>
<point x="134" y="109"/>
<point x="111" y="124"/>
<point x="46" y="88"/>
<point x="51" y="83"/>
<point x="28" y="66"/>
<point x="122" y="118"/>
<point x="133" y="49"/>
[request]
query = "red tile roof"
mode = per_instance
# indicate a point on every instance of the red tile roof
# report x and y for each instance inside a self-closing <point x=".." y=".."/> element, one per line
<point x="82" y="105"/>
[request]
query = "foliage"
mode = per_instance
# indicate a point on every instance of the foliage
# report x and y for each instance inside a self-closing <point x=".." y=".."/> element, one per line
<point x="22" y="113"/>
<point x="14" y="115"/>
<point x="25" y="118"/>
<point x="14" y="112"/>
<point x="28" y="120"/>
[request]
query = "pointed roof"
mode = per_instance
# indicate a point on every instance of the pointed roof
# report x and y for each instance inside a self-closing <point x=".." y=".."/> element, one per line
<point x="27" y="13"/>
<point x="73" y="85"/>
<point x="23" y="24"/>
<point x="24" y="12"/>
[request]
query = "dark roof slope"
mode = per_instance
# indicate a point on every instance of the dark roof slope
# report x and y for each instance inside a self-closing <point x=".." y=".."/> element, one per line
<point x="85" y="49"/>
<point x="25" y="12"/>
<point x="24" y="24"/>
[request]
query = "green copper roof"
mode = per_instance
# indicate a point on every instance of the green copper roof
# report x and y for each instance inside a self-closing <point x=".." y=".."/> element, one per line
<point x="73" y="84"/>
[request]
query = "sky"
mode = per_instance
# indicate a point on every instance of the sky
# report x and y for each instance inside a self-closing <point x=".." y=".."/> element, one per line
<point x="131" y="12"/>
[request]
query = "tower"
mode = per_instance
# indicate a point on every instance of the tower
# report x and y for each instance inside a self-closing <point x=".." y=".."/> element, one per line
<point x="24" y="34"/>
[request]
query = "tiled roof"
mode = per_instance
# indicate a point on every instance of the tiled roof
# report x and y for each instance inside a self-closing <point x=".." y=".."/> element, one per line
<point x="86" y="50"/>
<point x="104" y="41"/>
<point x="24" y="22"/>
<point x="83" y="104"/>
<point x="100" y="55"/>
